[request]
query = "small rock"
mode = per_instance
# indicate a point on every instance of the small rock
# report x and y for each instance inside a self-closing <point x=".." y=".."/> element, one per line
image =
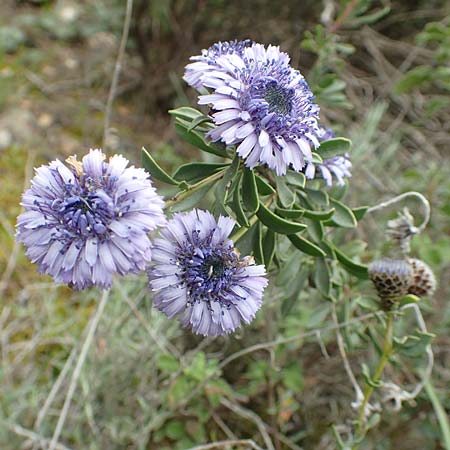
<point x="45" y="120"/>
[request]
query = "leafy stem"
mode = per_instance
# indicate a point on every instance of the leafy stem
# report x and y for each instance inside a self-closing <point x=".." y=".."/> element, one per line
<point x="368" y="391"/>
<point x="191" y="189"/>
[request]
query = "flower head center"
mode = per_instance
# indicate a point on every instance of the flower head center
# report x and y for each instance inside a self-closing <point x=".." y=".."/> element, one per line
<point x="278" y="98"/>
<point x="86" y="213"/>
<point x="213" y="267"/>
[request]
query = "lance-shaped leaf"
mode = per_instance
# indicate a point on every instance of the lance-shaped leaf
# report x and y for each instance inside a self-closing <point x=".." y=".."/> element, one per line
<point x="245" y="242"/>
<point x="227" y="183"/>
<point x="343" y="216"/>
<point x="296" y="179"/>
<point x="334" y="147"/>
<point x="290" y="213"/>
<point x="236" y="206"/>
<point x="268" y="245"/>
<point x="322" y="277"/>
<point x="250" y="191"/>
<point x="360" y="212"/>
<point x="306" y="246"/>
<point x="277" y="223"/>
<point x="152" y="167"/>
<point x="358" y="270"/>
<point x="286" y="196"/>
<point x="264" y="188"/>
<point x="257" y="244"/>
<point x="197" y="171"/>
<point x="196" y="139"/>
<point x="318" y="197"/>
<point x="186" y="113"/>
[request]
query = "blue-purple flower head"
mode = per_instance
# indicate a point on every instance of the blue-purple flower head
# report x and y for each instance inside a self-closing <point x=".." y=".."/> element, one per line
<point x="198" y="275"/>
<point x="338" y="166"/>
<point x="263" y="106"/>
<point x="89" y="219"/>
<point x="207" y="60"/>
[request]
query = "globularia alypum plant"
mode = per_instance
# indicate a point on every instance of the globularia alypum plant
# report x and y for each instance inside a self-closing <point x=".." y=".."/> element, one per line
<point x="90" y="219"/>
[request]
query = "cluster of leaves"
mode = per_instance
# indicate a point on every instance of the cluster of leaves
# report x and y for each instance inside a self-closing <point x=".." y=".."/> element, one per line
<point x="272" y="211"/>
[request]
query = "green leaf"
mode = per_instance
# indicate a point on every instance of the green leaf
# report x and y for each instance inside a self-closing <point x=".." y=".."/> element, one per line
<point x="264" y="188"/>
<point x="175" y="430"/>
<point x="318" y="215"/>
<point x="290" y="213"/>
<point x="257" y="244"/>
<point x="370" y="18"/>
<point x="358" y="270"/>
<point x="186" y="113"/>
<point x="197" y="368"/>
<point x="306" y="246"/>
<point x="322" y="277"/>
<point x="152" y="167"/>
<point x="414" y="78"/>
<point x="319" y="197"/>
<point x="250" y="191"/>
<point x="315" y="229"/>
<point x="368" y="378"/>
<point x="198" y="121"/>
<point x="236" y="206"/>
<point x="224" y="186"/>
<point x="360" y="212"/>
<point x="196" y="139"/>
<point x="277" y="223"/>
<point x="339" y="442"/>
<point x="293" y="377"/>
<point x="197" y="171"/>
<point x="245" y="242"/>
<point x="268" y="245"/>
<point x="168" y="363"/>
<point x="334" y="147"/>
<point x="413" y="345"/>
<point x="343" y="216"/>
<point x="285" y="195"/>
<point x="296" y="179"/>
<point x="408" y="299"/>
<point x="316" y="158"/>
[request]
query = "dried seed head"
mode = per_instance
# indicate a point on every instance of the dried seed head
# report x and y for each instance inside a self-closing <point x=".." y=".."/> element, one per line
<point x="402" y="229"/>
<point x="391" y="278"/>
<point x="424" y="282"/>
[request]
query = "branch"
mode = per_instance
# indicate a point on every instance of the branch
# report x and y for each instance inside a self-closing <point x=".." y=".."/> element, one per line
<point x="117" y="69"/>
<point x="92" y="327"/>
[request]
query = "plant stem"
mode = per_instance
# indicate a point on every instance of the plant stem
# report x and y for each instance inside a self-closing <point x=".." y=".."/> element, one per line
<point x="195" y="187"/>
<point x="368" y="391"/>
<point x="91" y="327"/>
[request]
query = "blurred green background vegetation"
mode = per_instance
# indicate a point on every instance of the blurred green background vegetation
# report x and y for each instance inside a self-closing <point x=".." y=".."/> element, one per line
<point x="380" y="71"/>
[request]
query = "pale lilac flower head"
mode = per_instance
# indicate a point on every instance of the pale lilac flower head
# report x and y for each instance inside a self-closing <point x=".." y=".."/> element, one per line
<point x="198" y="275"/>
<point x="206" y="62"/>
<point x="88" y="219"/>
<point x="338" y="166"/>
<point x="263" y="106"/>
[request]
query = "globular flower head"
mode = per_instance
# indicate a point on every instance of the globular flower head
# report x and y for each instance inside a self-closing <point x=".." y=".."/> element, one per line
<point x="88" y="219"/>
<point x="262" y="105"/>
<point x="338" y="166"/>
<point x="198" y="275"/>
